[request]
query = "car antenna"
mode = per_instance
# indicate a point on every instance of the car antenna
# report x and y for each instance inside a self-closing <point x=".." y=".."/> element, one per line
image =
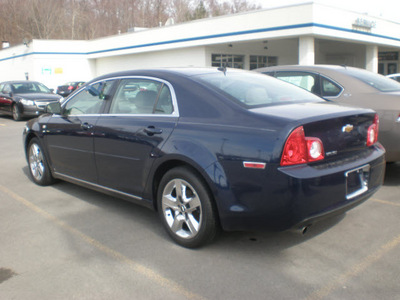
<point x="223" y="69"/>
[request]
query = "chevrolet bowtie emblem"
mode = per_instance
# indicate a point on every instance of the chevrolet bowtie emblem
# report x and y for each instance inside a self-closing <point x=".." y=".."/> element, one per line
<point x="347" y="128"/>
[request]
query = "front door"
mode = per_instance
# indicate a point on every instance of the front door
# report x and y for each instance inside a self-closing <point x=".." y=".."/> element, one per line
<point x="70" y="135"/>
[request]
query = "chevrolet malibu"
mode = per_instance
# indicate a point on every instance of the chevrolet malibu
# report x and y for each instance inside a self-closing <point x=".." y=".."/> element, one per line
<point x="210" y="149"/>
<point x="22" y="99"/>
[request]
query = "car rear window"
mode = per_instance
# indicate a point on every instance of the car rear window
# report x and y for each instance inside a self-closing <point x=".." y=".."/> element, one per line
<point x="255" y="90"/>
<point x="377" y="81"/>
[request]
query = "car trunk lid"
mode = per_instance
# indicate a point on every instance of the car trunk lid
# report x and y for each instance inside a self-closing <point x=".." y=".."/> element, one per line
<point x="341" y="129"/>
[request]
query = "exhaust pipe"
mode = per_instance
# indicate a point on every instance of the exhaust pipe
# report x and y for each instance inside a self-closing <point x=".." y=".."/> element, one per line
<point x="302" y="230"/>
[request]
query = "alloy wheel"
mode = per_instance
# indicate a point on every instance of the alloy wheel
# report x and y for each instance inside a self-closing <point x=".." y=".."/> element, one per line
<point x="36" y="162"/>
<point x="182" y="208"/>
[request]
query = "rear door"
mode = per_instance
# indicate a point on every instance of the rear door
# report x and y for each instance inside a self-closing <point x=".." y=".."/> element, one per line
<point x="141" y="117"/>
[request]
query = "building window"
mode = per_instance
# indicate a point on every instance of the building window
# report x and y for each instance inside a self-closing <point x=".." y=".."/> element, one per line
<point x="258" y="61"/>
<point x="228" y="60"/>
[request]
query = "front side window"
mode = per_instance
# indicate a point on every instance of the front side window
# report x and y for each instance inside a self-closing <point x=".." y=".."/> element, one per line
<point x="142" y="96"/>
<point x="2" y="89"/>
<point x="7" y="89"/>
<point x="90" y="100"/>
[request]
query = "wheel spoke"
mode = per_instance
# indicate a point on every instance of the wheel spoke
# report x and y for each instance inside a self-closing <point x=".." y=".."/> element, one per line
<point x="170" y="202"/>
<point x="193" y="203"/>
<point x="177" y="224"/>
<point x="179" y="189"/>
<point x="192" y="224"/>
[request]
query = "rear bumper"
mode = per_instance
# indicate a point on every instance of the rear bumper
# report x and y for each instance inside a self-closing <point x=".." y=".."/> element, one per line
<point x="293" y="197"/>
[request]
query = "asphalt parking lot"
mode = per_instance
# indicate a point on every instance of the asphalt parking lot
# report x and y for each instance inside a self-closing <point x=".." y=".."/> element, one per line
<point x="67" y="242"/>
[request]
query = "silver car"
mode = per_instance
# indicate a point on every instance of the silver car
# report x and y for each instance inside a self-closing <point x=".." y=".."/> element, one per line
<point x="353" y="87"/>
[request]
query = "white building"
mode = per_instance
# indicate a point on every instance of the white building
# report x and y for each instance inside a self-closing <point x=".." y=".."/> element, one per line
<point x="308" y="33"/>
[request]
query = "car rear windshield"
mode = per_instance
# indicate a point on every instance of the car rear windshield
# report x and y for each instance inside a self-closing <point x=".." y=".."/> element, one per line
<point x="255" y="90"/>
<point x="377" y="81"/>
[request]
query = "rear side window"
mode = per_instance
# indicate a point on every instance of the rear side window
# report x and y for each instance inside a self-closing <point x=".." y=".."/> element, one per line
<point x="306" y="81"/>
<point x="142" y="96"/>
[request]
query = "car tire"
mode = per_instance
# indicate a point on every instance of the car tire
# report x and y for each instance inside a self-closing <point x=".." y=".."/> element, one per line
<point x="38" y="165"/>
<point x="186" y="208"/>
<point x="16" y="113"/>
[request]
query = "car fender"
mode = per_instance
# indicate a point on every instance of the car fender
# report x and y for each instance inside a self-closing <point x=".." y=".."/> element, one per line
<point x="177" y="152"/>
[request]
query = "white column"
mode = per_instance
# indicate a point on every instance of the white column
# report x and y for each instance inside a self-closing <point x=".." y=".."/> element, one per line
<point x="371" y="58"/>
<point x="306" y="50"/>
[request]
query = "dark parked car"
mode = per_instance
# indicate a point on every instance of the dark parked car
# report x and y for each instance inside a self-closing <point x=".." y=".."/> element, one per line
<point x="352" y="86"/>
<point x="67" y="88"/>
<point x="210" y="148"/>
<point x="23" y="99"/>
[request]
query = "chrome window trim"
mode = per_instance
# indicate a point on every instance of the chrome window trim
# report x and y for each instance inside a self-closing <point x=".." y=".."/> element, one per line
<point x="175" y="113"/>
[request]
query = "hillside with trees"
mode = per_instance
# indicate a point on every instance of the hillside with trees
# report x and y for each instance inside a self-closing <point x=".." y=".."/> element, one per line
<point x="88" y="19"/>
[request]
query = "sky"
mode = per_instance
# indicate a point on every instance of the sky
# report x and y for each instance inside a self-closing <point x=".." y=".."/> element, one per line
<point x="388" y="9"/>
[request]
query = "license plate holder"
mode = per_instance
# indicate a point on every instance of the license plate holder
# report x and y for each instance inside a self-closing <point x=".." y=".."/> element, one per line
<point x="357" y="181"/>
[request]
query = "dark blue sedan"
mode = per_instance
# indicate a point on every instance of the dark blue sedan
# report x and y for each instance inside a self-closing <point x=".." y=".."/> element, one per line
<point x="210" y="149"/>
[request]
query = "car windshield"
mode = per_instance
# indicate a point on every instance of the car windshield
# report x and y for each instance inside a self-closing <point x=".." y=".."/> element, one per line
<point x="377" y="81"/>
<point x="29" y="88"/>
<point x="255" y="90"/>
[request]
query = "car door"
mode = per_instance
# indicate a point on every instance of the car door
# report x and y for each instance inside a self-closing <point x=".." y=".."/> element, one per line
<point x="141" y="117"/>
<point x="69" y="136"/>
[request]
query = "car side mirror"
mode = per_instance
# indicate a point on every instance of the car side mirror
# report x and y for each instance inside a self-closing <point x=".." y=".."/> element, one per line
<point x="53" y="108"/>
<point x="92" y="91"/>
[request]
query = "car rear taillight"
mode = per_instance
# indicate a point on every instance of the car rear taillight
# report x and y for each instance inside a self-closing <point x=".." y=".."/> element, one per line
<point x="372" y="135"/>
<point x="300" y="149"/>
<point x="70" y="88"/>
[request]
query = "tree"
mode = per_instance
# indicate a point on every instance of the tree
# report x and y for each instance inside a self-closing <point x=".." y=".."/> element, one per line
<point x="88" y="19"/>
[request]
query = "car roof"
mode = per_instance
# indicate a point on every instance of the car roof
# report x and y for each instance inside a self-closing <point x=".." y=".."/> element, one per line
<point x="18" y="81"/>
<point x="313" y="68"/>
<point x="166" y="72"/>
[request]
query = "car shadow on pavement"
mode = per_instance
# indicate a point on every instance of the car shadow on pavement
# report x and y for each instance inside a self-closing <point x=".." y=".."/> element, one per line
<point x="146" y="218"/>
<point x="392" y="175"/>
<point x="276" y="241"/>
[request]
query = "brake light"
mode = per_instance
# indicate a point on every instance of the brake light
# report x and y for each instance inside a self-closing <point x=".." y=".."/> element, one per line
<point x="300" y="149"/>
<point x="372" y="134"/>
<point x="71" y="87"/>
